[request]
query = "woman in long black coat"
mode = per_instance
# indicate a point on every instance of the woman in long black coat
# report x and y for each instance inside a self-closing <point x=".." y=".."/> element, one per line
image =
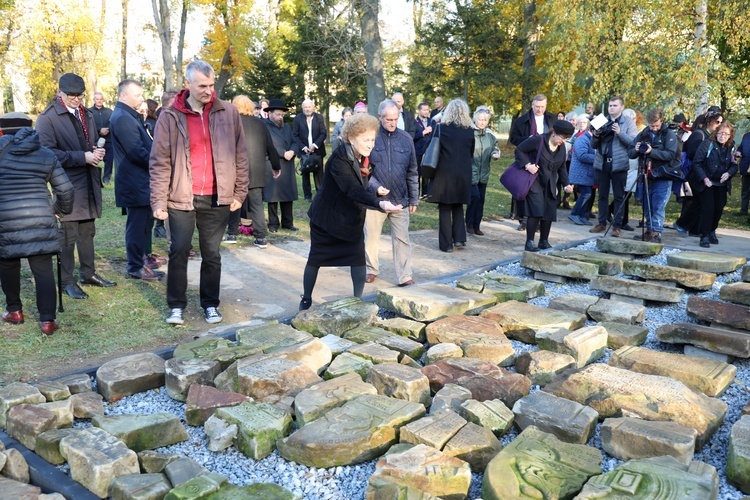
<point x="450" y="187"/>
<point x="337" y="213"/>
<point x="541" y="202"/>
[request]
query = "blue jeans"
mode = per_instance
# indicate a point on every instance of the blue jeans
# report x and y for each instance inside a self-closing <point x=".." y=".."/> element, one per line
<point x="659" y="191"/>
<point x="584" y="195"/>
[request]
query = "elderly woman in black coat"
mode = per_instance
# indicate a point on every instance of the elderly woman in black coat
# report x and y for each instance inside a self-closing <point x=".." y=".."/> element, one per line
<point x="541" y="202"/>
<point x="337" y="213"/>
<point x="450" y="187"/>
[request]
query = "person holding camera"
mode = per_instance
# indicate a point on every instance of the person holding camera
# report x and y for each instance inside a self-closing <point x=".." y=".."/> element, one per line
<point x="309" y="132"/>
<point x="280" y="191"/>
<point x="611" y="142"/>
<point x="656" y="149"/>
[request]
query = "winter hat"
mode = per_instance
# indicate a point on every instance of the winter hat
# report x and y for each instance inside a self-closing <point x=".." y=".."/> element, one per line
<point x="70" y="83"/>
<point x="563" y="127"/>
<point x="12" y="122"/>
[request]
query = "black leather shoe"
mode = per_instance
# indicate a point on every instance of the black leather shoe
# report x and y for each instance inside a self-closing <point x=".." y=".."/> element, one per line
<point x="305" y="304"/>
<point x="75" y="291"/>
<point x="713" y="239"/>
<point x="704" y="242"/>
<point x="530" y="246"/>
<point x="544" y="245"/>
<point x="146" y="274"/>
<point x="292" y="228"/>
<point x="97" y="280"/>
<point x="460" y="244"/>
<point x="273" y="229"/>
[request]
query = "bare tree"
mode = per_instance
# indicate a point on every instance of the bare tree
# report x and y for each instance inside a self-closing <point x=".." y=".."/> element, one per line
<point x="181" y="41"/>
<point x="699" y="40"/>
<point x="373" y="45"/>
<point x="164" y="28"/>
<point x="124" y="42"/>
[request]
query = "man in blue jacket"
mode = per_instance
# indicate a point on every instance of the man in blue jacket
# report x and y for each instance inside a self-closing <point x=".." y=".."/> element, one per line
<point x="395" y="179"/>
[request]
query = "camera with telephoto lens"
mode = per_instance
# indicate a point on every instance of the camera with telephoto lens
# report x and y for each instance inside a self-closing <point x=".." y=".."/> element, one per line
<point x="605" y="130"/>
<point x="643" y="147"/>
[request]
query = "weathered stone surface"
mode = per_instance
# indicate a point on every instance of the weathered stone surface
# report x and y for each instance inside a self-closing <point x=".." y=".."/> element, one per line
<point x="313" y="353"/>
<point x="690" y="278"/>
<point x="714" y="339"/>
<point x="257" y="491"/>
<point x="77" y="383"/>
<point x="575" y="302"/>
<point x="270" y="335"/>
<point x="586" y="344"/>
<point x="375" y="353"/>
<point x="48" y="445"/>
<point x="228" y="355"/>
<point x="738" y="459"/>
<point x="348" y="363"/>
<point x="385" y="338"/>
<point x="140" y="487"/>
<point x="203" y="401"/>
<point x="401" y="382"/>
<point x="472" y="283"/>
<point x="706" y="261"/>
<point x="183" y="470"/>
<point x="316" y="400"/>
<point x="181" y="373"/>
<point x="53" y="390"/>
<point x="335" y="317"/>
<point x="153" y="462"/>
<point x="628" y="246"/>
<point x="739" y="293"/>
<point x="628" y="438"/>
<point x="609" y="265"/>
<point x="690" y="350"/>
<point x="143" y="432"/>
<point x="17" y="393"/>
<point x="491" y="414"/>
<point x="521" y="321"/>
<point x="567" y="420"/>
<point x="336" y="344"/>
<point x="63" y="411"/>
<point x="259" y="426"/>
<point x="442" y="351"/>
<point x="129" y="375"/>
<point x="25" y="422"/>
<point x="87" y="404"/>
<point x="379" y="487"/>
<point x="200" y="348"/>
<point x="431" y="301"/>
<point x="708" y="376"/>
<point x="404" y="327"/>
<point x="358" y="431"/>
<point x="479" y="338"/>
<point x="433" y="430"/>
<point x="617" y="392"/>
<point x="15" y="466"/>
<point x="96" y="458"/>
<point x="514" y="472"/>
<point x="269" y="379"/>
<point x="620" y="334"/>
<point x="723" y="313"/>
<point x="18" y="490"/>
<point x="542" y="366"/>
<point x="474" y="444"/>
<point x="656" y="477"/>
<point x="451" y="396"/>
<point x="221" y="434"/>
<point x="428" y="470"/>
<point x="558" y="266"/>
<point x="637" y="289"/>
<point x="506" y="288"/>
<point x="616" y="312"/>
<point x="485" y="380"/>
<point x="197" y="487"/>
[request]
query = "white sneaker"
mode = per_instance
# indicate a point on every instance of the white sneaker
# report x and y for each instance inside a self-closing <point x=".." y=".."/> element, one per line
<point x="212" y="315"/>
<point x="175" y="317"/>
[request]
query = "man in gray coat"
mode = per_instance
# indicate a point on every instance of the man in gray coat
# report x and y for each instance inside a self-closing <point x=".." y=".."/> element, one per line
<point x="611" y="164"/>
<point x="69" y="130"/>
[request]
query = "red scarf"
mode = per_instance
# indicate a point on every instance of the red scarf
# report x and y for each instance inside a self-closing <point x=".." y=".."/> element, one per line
<point x="82" y="121"/>
<point x="364" y="167"/>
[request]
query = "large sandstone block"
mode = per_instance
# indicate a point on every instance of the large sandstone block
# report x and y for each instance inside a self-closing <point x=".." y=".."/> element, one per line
<point x="739" y="293"/>
<point x="558" y="266"/>
<point x="144" y="432"/>
<point x="426" y="469"/>
<point x="15" y="466"/>
<point x="617" y="311"/>
<point x="358" y="431"/>
<point x="474" y="444"/>
<point x="586" y="344"/>
<point x="335" y="317"/>
<point x="96" y="458"/>
<point x="723" y="313"/>
<point x="129" y="375"/>
<point x="316" y="400"/>
<point x="203" y="401"/>
<point x="17" y="393"/>
<point x="491" y="414"/>
<point x="313" y="353"/>
<point x="200" y="348"/>
<point x="451" y="396"/>
<point x="259" y="426"/>
<point x="25" y="422"/>
<point x="181" y="373"/>
<point x="182" y="470"/>
<point x="575" y="302"/>
<point x="478" y="337"/>
<point x="628" y="246"/>
<point x="52" y="390"/>
<point x="506" y="288"/>
<point x="485" y="380"/>
<point x="434" y="430"/>
<point x="709" y="376"/>
<point x="521" y="321"/>
<point x="567" y="420"/>
<point x="658" y="477"/>
<point x="619" y="334"/>
<point x="348" y="363"/>
<point x="738" y="458"/>
<point x="609" y="265"/>
<point x="514" y="472"/>
<point x="387" y="339"/>
<point x="717" y="340"/>
<point x="542" y="366"/>
<point x="153" y="462"/>
<point x="87" y="404"/>
<point x="431" y="301"/>
<point x="706" y="261"/>
<point x="77" y="383"/>
<point x="63" y="411"/>
<point x="689" y="278"/>
<point x="200" y="486"/>
<point x="139" y="487"/>
<point x="266" y="378"/>
<point x="48" y="445"/>
<point x="336" y="344"/>
<point x="18" y="490"/>
<point x="404" y="327"/>
<point x="628" y="438"/>
<point x="375" y="353"/>
<point x="637" y="289"/>
<point x="614" y="392"/>
<point x="441" y="351"/>
<point x="401" y="382"/>
<point x="270" y="335"/>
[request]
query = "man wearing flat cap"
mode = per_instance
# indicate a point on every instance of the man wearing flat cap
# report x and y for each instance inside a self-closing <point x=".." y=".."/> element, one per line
<point x="69" y="130"/>
<point x="280" y="193"/>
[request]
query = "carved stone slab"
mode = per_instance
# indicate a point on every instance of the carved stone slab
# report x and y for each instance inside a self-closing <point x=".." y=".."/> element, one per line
<point x="628" y="438"/>
<point x="203" y="401"/>
<point x="451" y="396"/>
<point x="575" y="302"/>
<point x="474" y="444"/>
<point x="628" y="246"/>
<point x="143" y="432"/>
<point x="259" y="426"/>
<point x="129" y="375"/>
<point x="348" y="363"/>
<point x="491" y="414"/>
<point x="270" y="335"/>
<point x="312" y="352"/>
<point x="521" y="321"/>
<point x="336" y="344"/>
<point x="413" y="330"/>
<point x="738" y="459"/>
<point x="433" y="430"/>
<point x="181" y="373"/>
<point x="430" y="301"/>
<point x="637" y="289"/>
<point x="442" y="351"/>
<point x="374" y="352"/>
<point x="17" y="393"/>
<point x="739" y="293"/>
<point x="401" y="382"/>
<point x="620" y="334"/>
<point x="617" y="312"/>
<point x="269" y="378"/>
<point x="567" y="420"/>
<point x="706" y="261"/>
<point x="200" y="486"/>
<point x="200" y="348"/>
<point x="506" y="288"/>
<point x="718" y="340"/>
<point x="140" y="486"/>
<point x="153" y="462"/>
<point x="609" y="265"/>
<point x="586" y="344"/>
<point x="335" y="317"/>
<point x="690" y="278"/>
<point x="560" y="267"/>
<point x="723" y="313"/>
<point x="542" y="366"/>
<point x="478" y="337"/>
<point x="316" y="400"/>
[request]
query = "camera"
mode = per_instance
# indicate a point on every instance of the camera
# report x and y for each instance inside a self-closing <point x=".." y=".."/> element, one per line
<point x="643" y="146"/>
<point x="605" y="130"/>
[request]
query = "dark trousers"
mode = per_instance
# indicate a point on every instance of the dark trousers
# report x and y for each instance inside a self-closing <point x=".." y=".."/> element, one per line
<point x="44" y="279"/>
<point x="691" y="213"/>
<point x="475" y="210"/>
<point x="137" y="232"/>
<point x="211" y="221"/>
<point x="617" y="179"/>
<point x="317" y="179"/>
<point x="77" y="234"/>
<point x="109" y="157"/>
<point x="287" y="214"/>
<point x="745" y="193"/>
<point x="251" y="209"/>
<point x="452" y="228"/>
<point x="712" y="201"/>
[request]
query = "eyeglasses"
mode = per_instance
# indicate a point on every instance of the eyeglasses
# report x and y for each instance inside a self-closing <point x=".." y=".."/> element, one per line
<point x="723" y="134"/>
<point x="75" y="96"/>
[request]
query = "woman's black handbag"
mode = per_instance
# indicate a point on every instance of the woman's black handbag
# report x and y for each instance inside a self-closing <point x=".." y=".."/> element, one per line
<point x="432" y="154"/>
<point x="310" y="164"/>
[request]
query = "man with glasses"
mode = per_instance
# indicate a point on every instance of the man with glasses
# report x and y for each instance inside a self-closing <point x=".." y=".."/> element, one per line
<point x="69" y="130"/>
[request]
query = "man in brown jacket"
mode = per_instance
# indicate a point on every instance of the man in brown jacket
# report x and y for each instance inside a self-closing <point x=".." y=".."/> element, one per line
<point x="199" y="173"/>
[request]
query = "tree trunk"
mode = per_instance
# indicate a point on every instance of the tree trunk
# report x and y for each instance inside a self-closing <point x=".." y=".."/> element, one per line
<point x="699" y="35"/>
<point x="181" y="43"/>
<point x="373" y="47"/>
<point x="223" y="76"/>
<point x="124" y="42"/>
<point x="163" y="27"/>
<point x="528" y="90"/>
<point x="274" y="10"/>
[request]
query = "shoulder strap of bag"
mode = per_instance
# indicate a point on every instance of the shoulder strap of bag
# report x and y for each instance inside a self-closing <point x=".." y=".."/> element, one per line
<point x="539" y="150"/>
<point x="710" y="148"/>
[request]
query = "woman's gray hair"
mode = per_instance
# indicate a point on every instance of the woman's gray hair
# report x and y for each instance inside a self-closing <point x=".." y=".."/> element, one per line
<point x="571" y="115"/>
<point x="200" y="66"/>
<point x="629" y="113"/>
<point x="457" y="112"/>
<point x="481" y="110"/>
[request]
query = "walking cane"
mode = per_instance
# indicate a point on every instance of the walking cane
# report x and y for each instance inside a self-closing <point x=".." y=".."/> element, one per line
<point x="59" y="285"/>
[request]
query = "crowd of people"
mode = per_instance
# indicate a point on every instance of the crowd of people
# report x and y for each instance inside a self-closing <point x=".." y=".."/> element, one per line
<point x="199" y="162"/>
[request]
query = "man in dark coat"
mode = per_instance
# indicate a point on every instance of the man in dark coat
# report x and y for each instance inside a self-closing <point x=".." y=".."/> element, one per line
<point x="101" y="118"/>
<point x="132" y="146"/>
<point x="405" y="117"/>
<point x="27" y="217"/>
<point x="422" y="136"/>
<point x="309" y="132"/>
<point x="69" y="130"/>
<point x="280" y="191"/>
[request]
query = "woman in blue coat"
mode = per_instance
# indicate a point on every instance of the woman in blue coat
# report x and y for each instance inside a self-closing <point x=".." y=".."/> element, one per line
<point x="582" y="174"/>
